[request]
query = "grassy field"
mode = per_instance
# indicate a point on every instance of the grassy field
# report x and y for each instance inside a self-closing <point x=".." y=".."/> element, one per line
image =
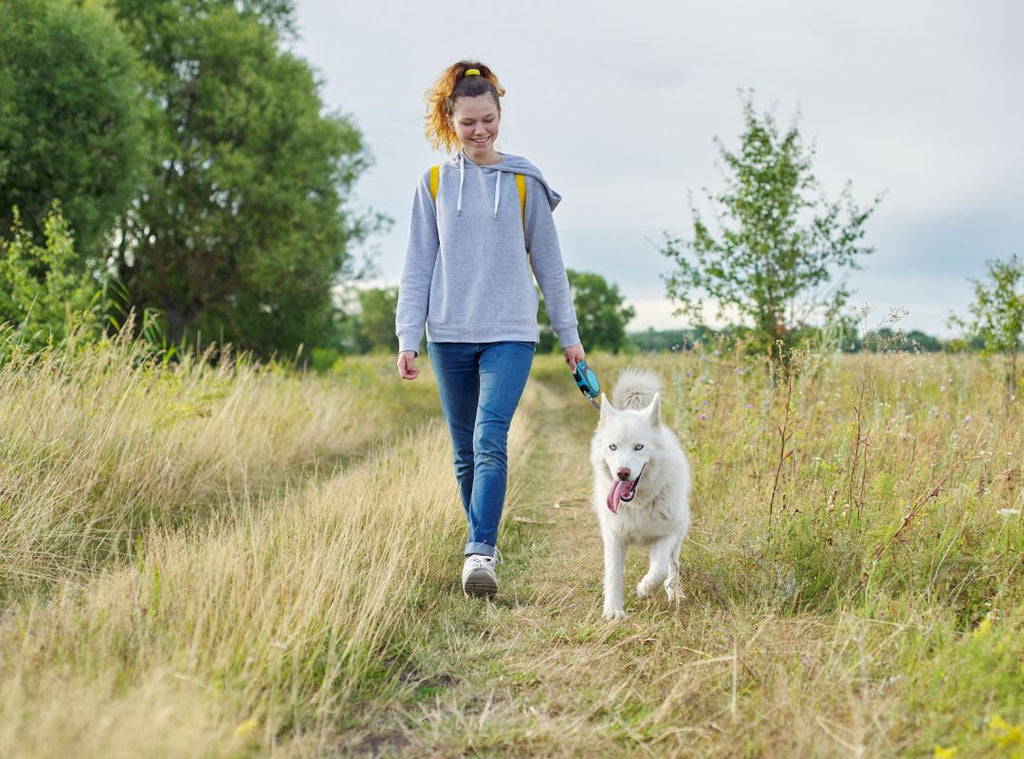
<point x="246" y="561"/>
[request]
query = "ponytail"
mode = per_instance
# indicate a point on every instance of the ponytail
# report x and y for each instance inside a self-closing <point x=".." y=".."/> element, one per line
<point x="462" y="79"/>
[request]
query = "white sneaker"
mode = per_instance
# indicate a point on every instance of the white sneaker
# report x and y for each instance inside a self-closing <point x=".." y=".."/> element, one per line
<point x="478" y="577"/>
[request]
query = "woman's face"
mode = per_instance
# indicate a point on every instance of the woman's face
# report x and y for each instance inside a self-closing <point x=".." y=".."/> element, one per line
<point x="475" y="120"/>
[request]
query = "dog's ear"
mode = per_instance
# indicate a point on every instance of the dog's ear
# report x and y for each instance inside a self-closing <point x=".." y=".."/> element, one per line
<point x="653" y="410"/>
<point x="606" y="407"/>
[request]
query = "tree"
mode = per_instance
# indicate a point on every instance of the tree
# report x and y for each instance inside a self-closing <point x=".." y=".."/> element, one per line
<point x="376" y="325"/>
<point x="600" y="311"/>
<point x="921" y="342"/>
<point x="662" y="341"/>
<point x="71" y="119"/>
<point x="997" y="314"/>
<point x="243" y="230"/>
<point x="779" y="240"/>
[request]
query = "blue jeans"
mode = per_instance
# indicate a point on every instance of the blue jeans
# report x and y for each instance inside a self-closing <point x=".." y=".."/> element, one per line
<point x="480" y="385"/>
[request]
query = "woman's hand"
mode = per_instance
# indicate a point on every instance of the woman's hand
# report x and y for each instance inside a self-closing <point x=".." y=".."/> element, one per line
<point x="405" y="368"/>
<point x="573" y="355"/>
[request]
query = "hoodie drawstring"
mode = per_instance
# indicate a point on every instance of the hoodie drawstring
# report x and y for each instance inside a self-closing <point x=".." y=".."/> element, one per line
<point x="462" y="179"/>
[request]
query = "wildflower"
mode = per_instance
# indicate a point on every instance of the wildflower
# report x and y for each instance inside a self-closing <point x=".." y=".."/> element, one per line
<point x="944" y="753"/>
<point x="984" y="627"/>
<point x="942" y="388"/>
<point x="967" y="419"/>
<point x="246" y="729"/>
<point x="748" y="405"/>
<point x="1005" y="733"/>
<point x="703" y="417"/>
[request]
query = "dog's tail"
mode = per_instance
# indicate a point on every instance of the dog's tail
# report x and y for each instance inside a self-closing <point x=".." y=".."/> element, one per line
<point x="635" y="388"/>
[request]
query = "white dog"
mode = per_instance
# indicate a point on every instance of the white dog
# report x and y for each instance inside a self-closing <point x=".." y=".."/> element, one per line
<point x="641" y="488"/>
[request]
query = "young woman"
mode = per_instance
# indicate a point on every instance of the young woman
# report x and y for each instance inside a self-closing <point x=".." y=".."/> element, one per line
<point x="473" y="253"/>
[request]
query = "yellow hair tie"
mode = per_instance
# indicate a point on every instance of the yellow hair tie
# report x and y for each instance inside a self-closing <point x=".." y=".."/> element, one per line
<point x="472" y="72"/>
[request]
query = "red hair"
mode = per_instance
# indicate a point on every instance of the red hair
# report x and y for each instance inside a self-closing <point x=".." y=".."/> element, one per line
<point x="450" y="86"/>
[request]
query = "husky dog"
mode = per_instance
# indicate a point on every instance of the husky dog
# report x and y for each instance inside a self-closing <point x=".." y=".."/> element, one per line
<point x="641" y="488"/>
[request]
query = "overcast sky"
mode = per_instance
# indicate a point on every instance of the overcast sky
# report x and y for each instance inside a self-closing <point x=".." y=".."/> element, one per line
<point x="922" y="100"/>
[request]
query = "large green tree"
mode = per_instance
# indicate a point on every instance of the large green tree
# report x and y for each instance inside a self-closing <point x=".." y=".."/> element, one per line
<point x="71" y="126"/>
<point x="779" y="241"/>
<point x="244" y="228"/>
<point x="600" y="309"/>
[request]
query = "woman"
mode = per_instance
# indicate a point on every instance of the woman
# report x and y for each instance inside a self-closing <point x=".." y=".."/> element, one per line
<point x="481" y="230"/>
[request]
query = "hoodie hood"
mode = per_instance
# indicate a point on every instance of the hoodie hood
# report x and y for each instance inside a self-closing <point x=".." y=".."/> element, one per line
<point x="509" y="164"/>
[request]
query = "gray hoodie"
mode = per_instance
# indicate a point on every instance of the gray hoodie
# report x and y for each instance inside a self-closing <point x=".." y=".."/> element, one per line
<point x="471" y="260"/>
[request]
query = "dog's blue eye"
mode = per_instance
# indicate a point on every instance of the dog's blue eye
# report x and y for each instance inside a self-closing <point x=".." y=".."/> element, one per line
<point x="638" y="447"/>
<point x="613" y="447"/>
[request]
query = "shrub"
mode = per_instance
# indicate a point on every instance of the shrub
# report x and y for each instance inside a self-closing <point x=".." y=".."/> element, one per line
<point x="43" y="297"/>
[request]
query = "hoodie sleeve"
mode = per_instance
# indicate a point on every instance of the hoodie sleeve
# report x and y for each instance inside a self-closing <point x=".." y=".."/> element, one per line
<point x="546" y="260"/>
<point x="418" y="271"/>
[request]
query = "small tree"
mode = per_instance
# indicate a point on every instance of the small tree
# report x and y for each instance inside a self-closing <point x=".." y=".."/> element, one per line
<point x="779" y="239"/>
<point x="997" y="314"/>
<point x="375" y="329"/>
<point x="600" y="311"/>
<point x="44" y="297"/>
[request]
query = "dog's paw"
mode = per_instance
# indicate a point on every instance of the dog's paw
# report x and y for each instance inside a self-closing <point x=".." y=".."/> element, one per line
<point x="614" y="614"/>
<point x="675" y="594"/>
<point x="645" y="587"/>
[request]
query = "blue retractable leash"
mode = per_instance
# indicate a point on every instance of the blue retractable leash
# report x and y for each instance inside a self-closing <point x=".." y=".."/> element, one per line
<point x="587" y="382"/>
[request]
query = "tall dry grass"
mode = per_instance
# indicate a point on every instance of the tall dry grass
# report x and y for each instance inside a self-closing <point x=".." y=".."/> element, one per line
<point x="865" y="476"/>
<point x="278" y="615"/>
<point x="207" y="562"/>
<point x="853" y="573"/>
<point x="98" y="447"/>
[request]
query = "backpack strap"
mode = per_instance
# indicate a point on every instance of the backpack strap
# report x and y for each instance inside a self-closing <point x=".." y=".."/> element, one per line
<point x="521" y="186"/>
<point x="435" y="175"/>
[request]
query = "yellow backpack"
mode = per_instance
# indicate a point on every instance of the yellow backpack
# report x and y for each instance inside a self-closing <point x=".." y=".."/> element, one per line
<point x="435" y="173"/>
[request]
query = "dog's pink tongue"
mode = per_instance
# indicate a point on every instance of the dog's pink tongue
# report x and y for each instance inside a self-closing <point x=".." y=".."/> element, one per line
<point x="619" y="489"/>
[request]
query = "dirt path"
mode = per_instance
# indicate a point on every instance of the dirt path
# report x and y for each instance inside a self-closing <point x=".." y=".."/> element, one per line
<point x="537" y="671"/>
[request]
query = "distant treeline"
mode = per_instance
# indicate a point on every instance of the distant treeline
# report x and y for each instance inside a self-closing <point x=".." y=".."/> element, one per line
<point x="885" y="338"/>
